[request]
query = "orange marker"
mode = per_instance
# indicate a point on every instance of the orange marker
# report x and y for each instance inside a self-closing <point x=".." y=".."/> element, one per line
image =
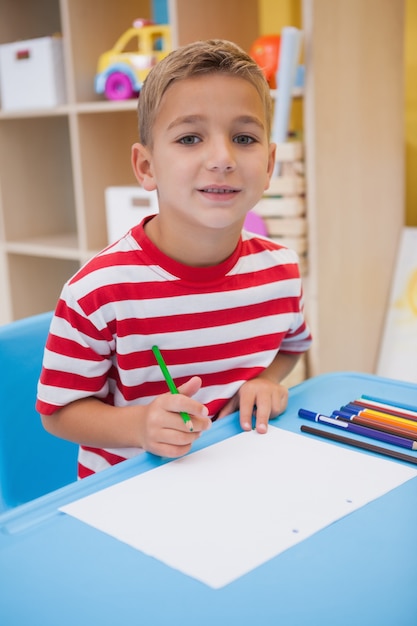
<point x="377" y="416"/>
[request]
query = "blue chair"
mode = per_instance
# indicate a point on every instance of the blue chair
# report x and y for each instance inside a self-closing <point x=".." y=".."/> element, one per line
<point x="32" y="462"/>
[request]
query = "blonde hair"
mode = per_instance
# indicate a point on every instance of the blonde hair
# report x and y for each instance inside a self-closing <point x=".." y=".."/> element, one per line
<point x="193" y="60"/>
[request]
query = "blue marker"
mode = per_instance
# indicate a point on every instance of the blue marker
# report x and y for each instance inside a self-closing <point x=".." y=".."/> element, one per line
<point x="364" y="431"/>
<point x="344" y="414"/>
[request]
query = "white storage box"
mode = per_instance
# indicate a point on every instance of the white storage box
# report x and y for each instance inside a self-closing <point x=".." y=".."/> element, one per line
<point x="126" y="207"/>
<point x="32" y="74"/>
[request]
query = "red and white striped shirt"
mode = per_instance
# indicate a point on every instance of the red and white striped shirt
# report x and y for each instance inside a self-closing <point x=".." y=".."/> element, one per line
<point x="224" y="323"/>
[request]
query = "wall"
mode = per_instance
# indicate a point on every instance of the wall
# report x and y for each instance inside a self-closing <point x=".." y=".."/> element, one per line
<point x="273" y="16"/>
<point x="279" y="13"/>
<point x="411" y="111"/>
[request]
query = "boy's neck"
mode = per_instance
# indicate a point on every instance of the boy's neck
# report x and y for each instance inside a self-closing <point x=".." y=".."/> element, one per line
<point x="194" y="249"/>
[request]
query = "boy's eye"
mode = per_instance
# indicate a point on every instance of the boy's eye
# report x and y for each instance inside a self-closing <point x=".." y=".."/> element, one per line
<point x="189" y="140"/>
<point x="244" y="139"/>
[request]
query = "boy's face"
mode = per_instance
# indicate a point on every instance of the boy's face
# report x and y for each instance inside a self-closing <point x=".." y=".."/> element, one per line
<point x="211" y="159"/>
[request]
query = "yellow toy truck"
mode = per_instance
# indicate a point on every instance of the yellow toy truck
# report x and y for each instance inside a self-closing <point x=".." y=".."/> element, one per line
<point x="122" y="70"/>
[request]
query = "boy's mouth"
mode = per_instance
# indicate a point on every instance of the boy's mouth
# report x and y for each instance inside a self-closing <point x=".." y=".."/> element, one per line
<point x="219" y="190"/>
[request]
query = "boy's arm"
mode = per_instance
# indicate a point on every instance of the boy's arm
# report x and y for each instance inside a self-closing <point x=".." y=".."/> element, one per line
<point x="156" y="427"/>
<point x="263" y="395"/>
<point x="281" y="366"/>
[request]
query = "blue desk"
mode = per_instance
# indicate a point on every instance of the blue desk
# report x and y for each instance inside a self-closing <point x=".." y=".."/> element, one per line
<point x="55" y="570"/>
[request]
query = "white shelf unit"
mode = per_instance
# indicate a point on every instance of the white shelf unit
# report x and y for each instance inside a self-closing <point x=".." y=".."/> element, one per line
<point x="55" y="164"/>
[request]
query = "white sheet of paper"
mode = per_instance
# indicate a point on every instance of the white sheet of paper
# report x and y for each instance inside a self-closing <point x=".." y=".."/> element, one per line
<point x="218" y="513"/>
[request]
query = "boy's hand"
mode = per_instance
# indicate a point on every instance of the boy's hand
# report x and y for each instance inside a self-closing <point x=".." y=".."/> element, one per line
<point x="163" y="430"/>
<point x="260" y="397"/>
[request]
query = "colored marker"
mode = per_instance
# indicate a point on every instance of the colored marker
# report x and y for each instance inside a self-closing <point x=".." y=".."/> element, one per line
<point x="358" y="430"/>
<point x="357" y="406"/>
<point x="390" y="403"/>
<point x="411" y="425"/>
<point x="365" y="421"/>
<point x="385" y="408"/>
<point x="356" y="443"/>
<point x="171" y="385"/>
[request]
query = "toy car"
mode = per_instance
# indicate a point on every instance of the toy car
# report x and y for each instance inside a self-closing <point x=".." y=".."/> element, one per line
<point x="122" y="70"/>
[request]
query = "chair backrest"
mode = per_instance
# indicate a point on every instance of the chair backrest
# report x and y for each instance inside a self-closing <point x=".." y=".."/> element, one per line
<point x="32" y="462"/>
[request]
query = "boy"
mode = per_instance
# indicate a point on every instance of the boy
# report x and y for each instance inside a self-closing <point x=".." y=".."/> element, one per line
<point x="224" y="306"/>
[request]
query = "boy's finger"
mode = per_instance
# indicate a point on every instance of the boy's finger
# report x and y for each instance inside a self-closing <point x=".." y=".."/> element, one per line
<point x="191" y="386"/>
<point x="200" y="423"/>
<point x="262" y="414"/>
<point x="181" y="403"/>
<point x="246" y="411"/>
<point x="195" y="424"/>
<point x="262" y="419"/>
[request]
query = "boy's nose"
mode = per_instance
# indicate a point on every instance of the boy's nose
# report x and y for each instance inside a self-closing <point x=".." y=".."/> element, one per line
<point x="220" y="156"/>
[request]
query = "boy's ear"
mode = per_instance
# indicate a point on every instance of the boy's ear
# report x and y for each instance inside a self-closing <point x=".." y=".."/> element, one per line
<point x="271" y="162"/>
<point x="141" y="159"/>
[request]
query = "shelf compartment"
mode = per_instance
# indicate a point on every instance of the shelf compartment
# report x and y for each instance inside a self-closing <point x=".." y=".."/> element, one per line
<point x="93" y="26"/>
<point x="36" y="182"/>
<point x="236" y="20"/>
<point x="34" y="113"/>
<point x="35" y="282"/>
<point x="27" y="19"/>
<point x="63" y="246"/>
<point x="105" y="142"/>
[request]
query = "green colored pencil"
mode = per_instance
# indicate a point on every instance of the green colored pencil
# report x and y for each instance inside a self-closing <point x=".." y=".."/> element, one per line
<point x="171" y="385"/>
